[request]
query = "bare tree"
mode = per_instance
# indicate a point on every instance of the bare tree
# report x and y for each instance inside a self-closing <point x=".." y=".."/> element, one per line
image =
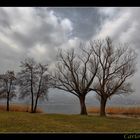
<point x="75" y="72"/>
<point x="43" y="83"/>
<point x="116" y="66"/>
<point x="7" y="84"/>
<point x="33" y="81"/>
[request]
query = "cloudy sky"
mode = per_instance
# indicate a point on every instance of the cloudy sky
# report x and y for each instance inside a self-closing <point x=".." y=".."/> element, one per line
<point x="39" y="31"/>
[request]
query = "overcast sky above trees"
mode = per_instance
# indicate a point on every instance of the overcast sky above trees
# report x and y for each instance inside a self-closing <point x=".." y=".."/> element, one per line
<point x="39" y="32"/>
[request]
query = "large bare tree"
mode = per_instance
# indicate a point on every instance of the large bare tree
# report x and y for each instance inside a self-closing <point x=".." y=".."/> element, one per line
<point x="33" y="81"/>
<point x="116" y="66"/>
<point x="75" y="72"/>
<point x="7" y="86"/>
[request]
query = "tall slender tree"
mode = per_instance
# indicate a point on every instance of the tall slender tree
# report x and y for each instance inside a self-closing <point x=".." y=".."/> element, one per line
<point x="7" y="85"/>
<point x="33" y="81"/>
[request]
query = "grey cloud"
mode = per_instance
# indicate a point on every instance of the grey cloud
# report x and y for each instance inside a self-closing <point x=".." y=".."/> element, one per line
<point x="41" y="27"/>
<point x="4" y="19"/>
<point x="25" y="29"/>
<point x="44" y="33"/>
<point x="85" y="20"/>
<point x="128" y="30"/>
<point x="9" y="59"/>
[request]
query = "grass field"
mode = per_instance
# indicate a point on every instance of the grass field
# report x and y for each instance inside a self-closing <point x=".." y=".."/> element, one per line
<point x="39" y="122"/>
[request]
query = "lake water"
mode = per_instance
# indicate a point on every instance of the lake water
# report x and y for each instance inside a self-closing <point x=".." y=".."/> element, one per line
<point x="62" y="103"/>
<point x="61" y="109"/>
<point x="67" y="104"/>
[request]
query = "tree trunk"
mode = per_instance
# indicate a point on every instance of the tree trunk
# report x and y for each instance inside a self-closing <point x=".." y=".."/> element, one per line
<point x="32" y="93"/>
<point x="83" y="106"/>
<point x="35" y="107"/>
<point x="7" y="109"/>
<point x="102" y="106"/>
<point x="32" y="104"/>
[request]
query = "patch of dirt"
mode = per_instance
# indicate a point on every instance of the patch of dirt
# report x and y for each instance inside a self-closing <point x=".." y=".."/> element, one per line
<point x="118" y="115"/>
<point x="124" y="116"/>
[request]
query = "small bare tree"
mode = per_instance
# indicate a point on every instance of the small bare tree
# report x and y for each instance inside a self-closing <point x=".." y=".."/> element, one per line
<point x="75" y="73"/>
<point x="7" y="84"/>
<point x="33" y="81"/>
<point x="116" y="66"/>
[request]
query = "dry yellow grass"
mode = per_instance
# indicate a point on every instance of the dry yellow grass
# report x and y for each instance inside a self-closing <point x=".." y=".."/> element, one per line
<point x="19" y="108"/>
<point x="117" y="110"/>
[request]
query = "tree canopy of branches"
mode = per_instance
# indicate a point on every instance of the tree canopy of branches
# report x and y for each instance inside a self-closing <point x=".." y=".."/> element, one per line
<point x="33" y="81"/>
<point x="116" y="66"/>
<point x="75" y="73"/>
<point x="7" y="85"/>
